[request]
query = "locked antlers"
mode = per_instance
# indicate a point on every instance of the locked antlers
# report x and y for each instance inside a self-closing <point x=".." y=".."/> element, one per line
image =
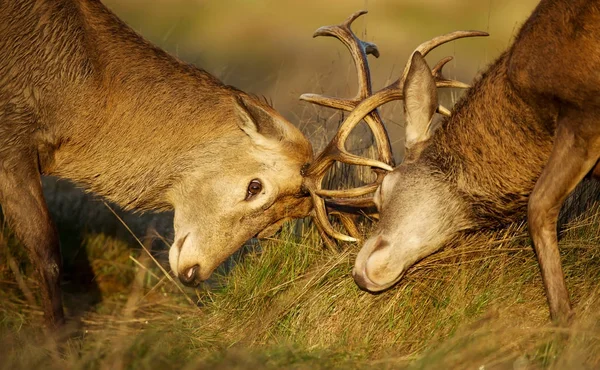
<point x="363" y="106"/>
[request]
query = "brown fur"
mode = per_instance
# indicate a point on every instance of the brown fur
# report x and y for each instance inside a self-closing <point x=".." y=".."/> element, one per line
<point x="493" y="163"/>
<point x="544" y="122"/>
<point x="519" y="141"/>
<point x="83" y="97"/>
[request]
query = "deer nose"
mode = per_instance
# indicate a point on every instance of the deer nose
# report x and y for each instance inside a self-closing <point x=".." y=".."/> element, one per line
<point x="189" y="276"/>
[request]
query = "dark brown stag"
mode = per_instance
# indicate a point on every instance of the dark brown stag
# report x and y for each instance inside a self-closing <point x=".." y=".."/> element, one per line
<point x="517" y="143"/>
<point x="83" y="97"/>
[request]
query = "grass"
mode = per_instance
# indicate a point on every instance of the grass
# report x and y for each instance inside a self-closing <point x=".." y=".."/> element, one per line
<point x="292" y="303"/>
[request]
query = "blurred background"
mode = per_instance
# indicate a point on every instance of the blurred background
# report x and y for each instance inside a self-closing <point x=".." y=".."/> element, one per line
<point x="296" y="304"/>
<point x="265" y="46"/>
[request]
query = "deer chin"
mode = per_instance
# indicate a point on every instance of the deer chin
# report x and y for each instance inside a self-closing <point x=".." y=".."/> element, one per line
<point x="272" y="229"/>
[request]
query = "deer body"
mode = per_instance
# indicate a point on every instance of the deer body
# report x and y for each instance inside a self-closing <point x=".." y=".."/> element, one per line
<point x="84" y="97"/>
<point x="518" y="142"/>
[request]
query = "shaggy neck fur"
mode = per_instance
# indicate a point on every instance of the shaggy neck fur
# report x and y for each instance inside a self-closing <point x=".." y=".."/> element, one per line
<point x="117" y="114"/>
<point x="493" y="148"/>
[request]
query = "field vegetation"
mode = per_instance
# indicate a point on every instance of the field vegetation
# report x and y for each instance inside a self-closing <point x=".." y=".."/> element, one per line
<point x="289" y="301"/>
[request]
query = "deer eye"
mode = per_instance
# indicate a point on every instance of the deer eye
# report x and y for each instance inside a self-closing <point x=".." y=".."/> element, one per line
<point x="254" y="188"/>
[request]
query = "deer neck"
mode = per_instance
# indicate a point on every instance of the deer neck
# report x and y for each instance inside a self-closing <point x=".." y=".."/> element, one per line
<point x="133" y="154"/>
<point x="130" y="119"/>
<point x="494" y="147"/>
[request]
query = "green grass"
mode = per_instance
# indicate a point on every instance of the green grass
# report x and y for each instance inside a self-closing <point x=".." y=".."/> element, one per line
<point x="292" y="303"/>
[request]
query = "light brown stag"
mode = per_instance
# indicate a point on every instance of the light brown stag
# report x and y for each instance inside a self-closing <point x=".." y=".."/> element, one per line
<point x="517" y="143"/>
<point x="83" y="97"/>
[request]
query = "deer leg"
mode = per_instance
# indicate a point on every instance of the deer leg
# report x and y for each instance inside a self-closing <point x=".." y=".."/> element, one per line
<point x="25" y="209"/>
<point x="574" y="154"/>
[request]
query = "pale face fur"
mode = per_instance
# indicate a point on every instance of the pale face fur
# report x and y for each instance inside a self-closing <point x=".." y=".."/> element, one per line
<point x="214" y="213"/>
<point x="418" y="209"/>
<point x="418" y="214"/>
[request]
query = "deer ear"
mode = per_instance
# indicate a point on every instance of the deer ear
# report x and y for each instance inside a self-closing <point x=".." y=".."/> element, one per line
<point x="420" y="100"/>
<point x="246" y="121"/>
<point x="255" y="121"/>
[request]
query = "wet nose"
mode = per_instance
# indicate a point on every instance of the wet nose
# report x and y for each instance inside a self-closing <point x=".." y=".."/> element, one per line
<point x="189" y="276"/>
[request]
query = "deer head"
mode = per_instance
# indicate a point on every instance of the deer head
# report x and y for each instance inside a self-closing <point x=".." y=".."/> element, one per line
<point x="281" y="183"/>
<point x="250" y="189"/>
<point x="419" y="211"/>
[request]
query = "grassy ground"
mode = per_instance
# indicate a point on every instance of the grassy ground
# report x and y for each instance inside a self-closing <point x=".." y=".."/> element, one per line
<point x="291" y="303"/>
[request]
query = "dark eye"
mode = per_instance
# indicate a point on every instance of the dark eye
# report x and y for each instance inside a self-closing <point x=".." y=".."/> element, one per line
<point x="254" y="188"/>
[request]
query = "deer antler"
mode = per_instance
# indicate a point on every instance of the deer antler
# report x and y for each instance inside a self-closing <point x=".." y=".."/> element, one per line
<point x="359" y="50"/>
<point x="335" y="150"/>
<point x="363" y="106"/>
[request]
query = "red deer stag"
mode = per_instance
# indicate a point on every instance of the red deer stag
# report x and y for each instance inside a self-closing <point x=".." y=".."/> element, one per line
<point x="517" y="143"/>
<point x="83" y="97"/>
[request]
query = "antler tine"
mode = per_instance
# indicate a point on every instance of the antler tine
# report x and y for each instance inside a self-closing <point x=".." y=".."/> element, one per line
<point x="335" y="150"/>
<point x="427" y="46"/>
<point x="350" y="196"/>
<point x="352" y="202"/>
<point x="348" y="22"/>
<point x="329" y="101"/>
<point x="358" y="50"/>
<point x="444" y="111"/>
<point x="320" y="215"/>
<point x="348" y="223"/>
<point x="451" y="83"/>
<point x="441" y="81"/>
<point x="348" y="193"/>
<point x="437" y="70"/>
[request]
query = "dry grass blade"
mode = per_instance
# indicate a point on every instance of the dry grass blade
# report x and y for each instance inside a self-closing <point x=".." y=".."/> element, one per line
<point x="21" y="281"/>
<point x="166" y="274"/>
